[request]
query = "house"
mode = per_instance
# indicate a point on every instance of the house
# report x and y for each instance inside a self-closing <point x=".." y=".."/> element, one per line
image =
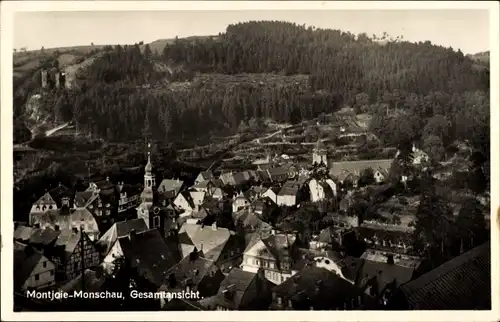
<point x="218" y="244"/>
<point x="272" y="193"/>
<point x="42" y="240"/>
<point x="198" y="198"/>
<point x="316" y="288"/>
<point x="263" y="206"/>
<point x="263" y="176"/>
<point x="218" y="194"/>
<point x="322" y="189"/>
<point x="52" y="199"/>
<point x="249" y="221"/>
<point x="71" y="250"/>
<point x="184" y="202"/>
<point x="65" y="219"/>
<point x="170" y="188"/>
<point x="463" y="283"/>
<point x="289" y="194"/>
<point x="351" y="170"/>
<point x="102" y="208"/>
<point x="240" y="178"/>
<point x="205" y="186"/>
<point x="193" y="273"/>
<point x="145" y="251"/>
<point x="227" y="178"/>
<point x="204" y="176"/>
<point x="378" y="280"/>
<point x="392" y="257"/>
<point x="279" y="174"/>
<point x="129" y="196"/>
<point x="240" y="201"/>
<point x="346" y="267"/>
<point x="330" y="238"/>
<point x="241" y="290"/>
<point x="32" y="270"/>
<point x="118" y="230"/>
<point x="274" y="253"/>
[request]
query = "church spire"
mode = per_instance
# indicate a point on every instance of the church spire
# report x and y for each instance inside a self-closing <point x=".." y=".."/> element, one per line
<point x="149" y="166"/>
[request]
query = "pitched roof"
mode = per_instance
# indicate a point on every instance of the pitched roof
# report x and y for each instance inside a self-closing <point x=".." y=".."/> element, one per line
<point x="24" y="264"/>
<point x="148" y="252"/>
<point x="44" y="236"/>
<point x="227" y="178"/>
<point x="263" y="175"/>
<point x="197" y="196"/>
<point x="206" y="238"/>
<point x="68" y="240"/>
<point x="187" y="196"/>
<point x="45" y="199"/>
<point x="249" y="219"/>
<point x="342" y="169"/>
<point x="194" y="269"/>
<point x="239" y="178"/>
<point x="276" y="172"/>
<point x="290" y="188"/>
<point x="455" y="284"/>
<point x="277" y="244"/>
<point x="206" y="175"/>
<point x="317" y="287"/>
<point x="202" y="184"/>
<point x="384" y="274"/>
<point x="236" y="281"/>
<point x="170" y="187"/>
<point x="121" y="229"/>
<point x="75" y="218"/>
<point x="23" y="232"/>
<point x="84" y="198"/>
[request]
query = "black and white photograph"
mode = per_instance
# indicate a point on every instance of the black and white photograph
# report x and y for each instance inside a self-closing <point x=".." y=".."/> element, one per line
<point x="223" y="159"/>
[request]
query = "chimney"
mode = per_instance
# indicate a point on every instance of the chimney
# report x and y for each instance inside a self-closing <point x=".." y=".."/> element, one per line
<point x="131" y="234"/>
<point x="214" y="226"/>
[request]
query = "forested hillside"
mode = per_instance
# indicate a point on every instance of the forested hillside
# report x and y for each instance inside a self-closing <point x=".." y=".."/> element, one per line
<point x="414" y="90"/>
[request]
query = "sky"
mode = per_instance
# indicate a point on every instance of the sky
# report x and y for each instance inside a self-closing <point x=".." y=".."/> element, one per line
<point x="464" y="29"/>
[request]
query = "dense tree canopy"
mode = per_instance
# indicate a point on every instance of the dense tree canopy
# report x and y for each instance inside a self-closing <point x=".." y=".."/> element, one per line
<point x="413" y="89"/>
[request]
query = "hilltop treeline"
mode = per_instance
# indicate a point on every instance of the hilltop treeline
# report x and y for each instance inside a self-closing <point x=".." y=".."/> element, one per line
<point x="394" y="81"/>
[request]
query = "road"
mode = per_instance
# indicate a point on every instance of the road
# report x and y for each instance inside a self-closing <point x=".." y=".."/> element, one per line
<point x="23" y="146"/>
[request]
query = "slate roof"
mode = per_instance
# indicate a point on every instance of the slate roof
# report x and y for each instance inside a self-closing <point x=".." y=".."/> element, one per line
<point x="84" y="198"/>
<point x="290" y="188"/>
<point x="23" y="232"/>
<point x="68" y="240"/>
<point x="342" y="169"/>
<point x="276" y="173"/>
<point x="206" y="175"/>
<point x="204" y="238"/>
<point x="263" y="175"/>
<point x="239" y="178"/>
<point x="237" y="282"/>
<point x="76" y="217"/>
<point x="202" y="184"/>
<point x="278" y="244"/>
<point x="44" y="236"/>
<point x="384" y="274"/>
<point x="461" y="283"/>
<point x="194" y="269"/>
<point x="187" y="196"/>
<point x="317" y="287"/>
<point x="148" y="252"/>
<point x="24" y="264"/>
<point x="121" y="229"/>
<point x="170" y="187"/>
<point x="249" y="219"/>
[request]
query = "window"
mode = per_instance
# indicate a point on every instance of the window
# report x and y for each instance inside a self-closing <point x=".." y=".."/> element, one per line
<point x="257" y="262"/>
<point x="51" y="272"/>
<point x="271" y="264"/>
<point x="37" y="277"/>
<point x="44" y="264"/>
<point x="156" y="221"/>
<point x="278" y="299"/>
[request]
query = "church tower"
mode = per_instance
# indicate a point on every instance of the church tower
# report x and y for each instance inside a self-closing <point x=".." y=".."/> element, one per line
<point x="319" y="153"/>
<point x="149" y="181"/>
